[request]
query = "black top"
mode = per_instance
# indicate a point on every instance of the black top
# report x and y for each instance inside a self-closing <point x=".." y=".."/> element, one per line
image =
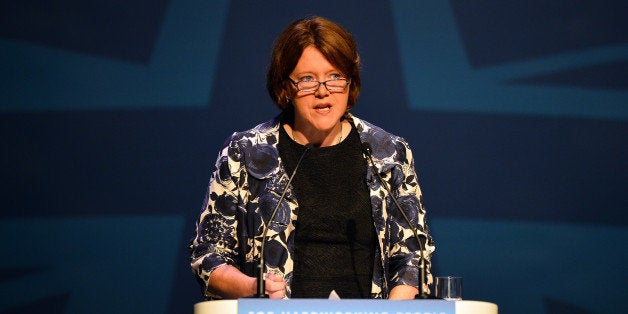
<point x="335" y="235"/>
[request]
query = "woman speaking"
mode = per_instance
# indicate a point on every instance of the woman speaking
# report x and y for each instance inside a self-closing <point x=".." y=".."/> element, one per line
<point x="317" y="188"/>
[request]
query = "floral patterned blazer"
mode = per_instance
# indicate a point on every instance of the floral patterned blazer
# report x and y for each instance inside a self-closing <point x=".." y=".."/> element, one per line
<point x="247" y="182"/>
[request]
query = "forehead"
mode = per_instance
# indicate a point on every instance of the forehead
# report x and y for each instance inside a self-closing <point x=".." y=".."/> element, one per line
<point x="313" y="61"/>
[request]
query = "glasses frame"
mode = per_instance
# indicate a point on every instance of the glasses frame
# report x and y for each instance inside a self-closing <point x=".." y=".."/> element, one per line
<point x="324" y="83"/>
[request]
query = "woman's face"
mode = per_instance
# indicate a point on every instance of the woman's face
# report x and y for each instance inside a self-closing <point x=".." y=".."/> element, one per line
<point x="318" y="111"/>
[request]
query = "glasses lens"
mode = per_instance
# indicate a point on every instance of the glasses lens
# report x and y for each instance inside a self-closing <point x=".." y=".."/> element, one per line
<point x="307" y="86"/>
<point x="332" y="85"/>
<point x="336" y="85"/>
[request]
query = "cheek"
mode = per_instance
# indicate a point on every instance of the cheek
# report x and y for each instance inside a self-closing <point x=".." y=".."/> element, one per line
<point x="301" y="103"/>
<point x="342" y="99"/>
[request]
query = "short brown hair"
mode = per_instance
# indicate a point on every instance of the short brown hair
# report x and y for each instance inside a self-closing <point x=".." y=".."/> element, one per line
<point x="333" y="41"/>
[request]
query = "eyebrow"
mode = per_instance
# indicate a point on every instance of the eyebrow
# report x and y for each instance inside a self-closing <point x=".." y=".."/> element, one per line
<point x="334" y="71"/>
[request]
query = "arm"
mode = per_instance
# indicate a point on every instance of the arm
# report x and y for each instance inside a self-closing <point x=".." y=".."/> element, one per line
<point x="405" y="253"/>
<point x="215" y="243"/>
<point x="403" y="292"/>
<point x="229" y="282"/>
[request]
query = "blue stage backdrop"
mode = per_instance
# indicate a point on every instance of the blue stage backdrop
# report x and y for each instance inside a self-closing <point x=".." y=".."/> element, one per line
<point x="112" y="114"/>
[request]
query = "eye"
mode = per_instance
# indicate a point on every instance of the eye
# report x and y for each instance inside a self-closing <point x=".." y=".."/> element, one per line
<point x="306" y="78"/>
<point x="336" y="76"/>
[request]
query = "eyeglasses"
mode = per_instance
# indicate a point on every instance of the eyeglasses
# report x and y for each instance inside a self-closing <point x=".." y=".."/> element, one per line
<point x="333" y="85"/>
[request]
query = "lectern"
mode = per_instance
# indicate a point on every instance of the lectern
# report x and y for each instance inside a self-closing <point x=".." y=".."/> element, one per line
<point x="348" y="306"/>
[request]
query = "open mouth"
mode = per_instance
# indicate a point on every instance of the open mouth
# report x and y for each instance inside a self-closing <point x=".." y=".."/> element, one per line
<point x="323" y="108"/>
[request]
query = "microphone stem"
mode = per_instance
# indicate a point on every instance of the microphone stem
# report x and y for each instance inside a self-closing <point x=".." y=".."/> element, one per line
<point x="422" y="294"/>
<point x="261" y="289"/>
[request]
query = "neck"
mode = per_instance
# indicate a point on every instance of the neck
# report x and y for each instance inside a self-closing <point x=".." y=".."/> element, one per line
<point x="317" y="138"/>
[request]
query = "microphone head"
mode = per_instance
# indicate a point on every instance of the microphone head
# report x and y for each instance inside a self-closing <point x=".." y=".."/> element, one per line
<point x="366" y="148"/>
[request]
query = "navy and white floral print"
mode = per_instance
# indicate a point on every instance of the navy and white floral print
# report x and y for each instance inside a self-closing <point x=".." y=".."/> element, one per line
<point x="246" y="184"/>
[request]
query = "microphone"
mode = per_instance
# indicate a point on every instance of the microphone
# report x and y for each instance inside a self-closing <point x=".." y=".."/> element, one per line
<point x="261" y="285"/>
<point x="368" y="151"/>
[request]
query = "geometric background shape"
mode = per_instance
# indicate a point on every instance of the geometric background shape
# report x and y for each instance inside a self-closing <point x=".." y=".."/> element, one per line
<point x="611" y="75"/>
<point x="106" y="264"/>
<point x="497" y="32"/>
<point x="438" y="75"/>
<point x="125" y="30"/>
<point x="178" y="71"/>
<point x="534" y="262"/>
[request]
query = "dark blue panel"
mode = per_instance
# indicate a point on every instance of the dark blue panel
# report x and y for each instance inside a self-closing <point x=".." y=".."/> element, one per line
<point x="521" y="168"/>
<point x="7" y="274"/>
<point x="112" y="28"/>
<point x="95" y="163"/>
<point x="495" y="32"/>
<point x="52" y="305"/>
<point x="560" y="307"/>
<point x="613" y="75"/>
<point x="471" y="166"/>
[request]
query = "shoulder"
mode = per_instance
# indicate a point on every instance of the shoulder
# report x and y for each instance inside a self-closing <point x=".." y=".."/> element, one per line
<point x="385" y="145"/>
<point x="370" y="131"/>
<point x="266" y="132"/>
<point x="256" y="148"/>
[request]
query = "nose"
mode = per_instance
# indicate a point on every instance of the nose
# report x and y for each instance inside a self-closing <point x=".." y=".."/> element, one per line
<point x="322" y="90"/>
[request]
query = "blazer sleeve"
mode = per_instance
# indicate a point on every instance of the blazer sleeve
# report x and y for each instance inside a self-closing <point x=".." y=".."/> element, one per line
<point x="215" y="241"/>
<point x="404" y="251"/>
